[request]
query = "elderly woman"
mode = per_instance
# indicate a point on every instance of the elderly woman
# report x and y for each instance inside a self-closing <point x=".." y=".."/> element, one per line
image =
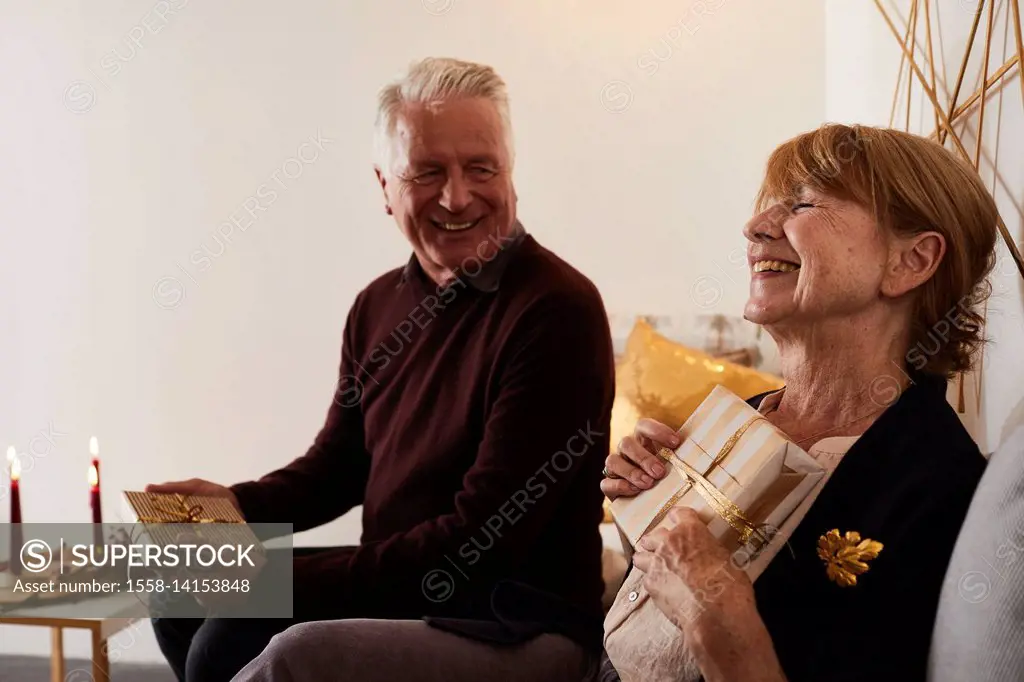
<point x="868" y="252"/>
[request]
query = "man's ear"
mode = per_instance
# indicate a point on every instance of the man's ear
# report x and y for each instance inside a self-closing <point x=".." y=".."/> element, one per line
<point x="383" y="187"/>
<point x="913" y="262"/>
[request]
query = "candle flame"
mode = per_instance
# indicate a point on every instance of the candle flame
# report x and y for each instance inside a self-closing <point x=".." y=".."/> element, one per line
<point x="94" y="446"/>
<point x="12" y="458"/>
<point x="94" y="477"/>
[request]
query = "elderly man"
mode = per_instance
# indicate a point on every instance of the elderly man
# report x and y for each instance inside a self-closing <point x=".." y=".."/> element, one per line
<point x="471" y="422"/>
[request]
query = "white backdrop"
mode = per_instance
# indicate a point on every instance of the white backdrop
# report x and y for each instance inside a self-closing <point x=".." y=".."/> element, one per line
<point x="136" y="133"/>
<point x="863" y="60"/>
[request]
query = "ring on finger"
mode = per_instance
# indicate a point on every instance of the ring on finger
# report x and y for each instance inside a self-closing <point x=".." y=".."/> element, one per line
<point x="609" y="474"/>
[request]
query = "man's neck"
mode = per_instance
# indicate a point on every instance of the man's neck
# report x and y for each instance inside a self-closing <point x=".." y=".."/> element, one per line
<point x="484" y="270"/>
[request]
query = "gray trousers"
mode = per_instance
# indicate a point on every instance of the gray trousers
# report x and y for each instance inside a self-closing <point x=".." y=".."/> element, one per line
<point x="362" y="650"/>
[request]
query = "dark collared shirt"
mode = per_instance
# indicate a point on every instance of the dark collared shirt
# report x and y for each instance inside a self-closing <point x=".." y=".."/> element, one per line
<point x="484" y="271"/>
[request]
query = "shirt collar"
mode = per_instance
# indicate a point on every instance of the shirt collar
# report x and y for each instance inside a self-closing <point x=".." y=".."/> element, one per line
<point x="483" y="273"/>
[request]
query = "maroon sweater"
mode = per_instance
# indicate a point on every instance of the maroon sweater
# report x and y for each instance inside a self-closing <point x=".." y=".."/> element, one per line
<point x="472" y="425"/>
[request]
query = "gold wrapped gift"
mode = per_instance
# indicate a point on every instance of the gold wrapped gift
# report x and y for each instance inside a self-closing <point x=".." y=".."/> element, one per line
<point x="214" y="519"/>
<point x="164" y="508"/>
<point x="740" y="474"/>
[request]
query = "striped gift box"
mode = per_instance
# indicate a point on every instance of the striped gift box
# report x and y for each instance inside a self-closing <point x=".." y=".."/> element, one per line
<point x="760" y="471"/>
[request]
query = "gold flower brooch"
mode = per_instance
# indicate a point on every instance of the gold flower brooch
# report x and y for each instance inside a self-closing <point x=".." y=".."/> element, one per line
<point x="846" y="556"/>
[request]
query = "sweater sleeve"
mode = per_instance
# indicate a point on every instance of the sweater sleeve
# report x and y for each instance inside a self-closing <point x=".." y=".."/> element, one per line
<point x="547" y="427"/>
<point x="330" y="479"/>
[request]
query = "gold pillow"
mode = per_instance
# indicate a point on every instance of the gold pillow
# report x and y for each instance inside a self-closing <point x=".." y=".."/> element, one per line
<point x="665" y="380"/>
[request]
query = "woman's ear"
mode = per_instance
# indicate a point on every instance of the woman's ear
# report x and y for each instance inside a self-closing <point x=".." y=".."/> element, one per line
<point x="912" y="262"/>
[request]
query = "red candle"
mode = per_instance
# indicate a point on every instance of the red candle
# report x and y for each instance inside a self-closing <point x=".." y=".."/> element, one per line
<point x="94" y="492"/>
<point x="16" y="540"/>
<point x="15" y="469"/>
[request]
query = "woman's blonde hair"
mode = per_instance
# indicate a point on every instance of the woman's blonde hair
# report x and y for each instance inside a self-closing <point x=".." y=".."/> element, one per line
<point x="911" y="185"/>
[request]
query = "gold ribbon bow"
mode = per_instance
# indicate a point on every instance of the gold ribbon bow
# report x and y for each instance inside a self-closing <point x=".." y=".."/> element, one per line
<point x="714" y="497"/>
<point x="182" y="513"/>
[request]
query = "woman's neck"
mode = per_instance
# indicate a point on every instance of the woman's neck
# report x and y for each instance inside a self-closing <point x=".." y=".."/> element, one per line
<point x="839" y="378"/>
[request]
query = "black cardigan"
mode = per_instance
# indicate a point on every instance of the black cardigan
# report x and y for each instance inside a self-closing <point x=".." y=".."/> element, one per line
<point x="907" y="483"/>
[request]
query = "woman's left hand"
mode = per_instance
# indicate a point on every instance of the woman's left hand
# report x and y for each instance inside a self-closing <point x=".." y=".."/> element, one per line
<point x="693" y="579"/>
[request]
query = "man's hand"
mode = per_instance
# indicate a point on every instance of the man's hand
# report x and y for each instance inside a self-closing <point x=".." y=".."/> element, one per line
<point x="695" y="582"/>
<point x="197" y="487"/>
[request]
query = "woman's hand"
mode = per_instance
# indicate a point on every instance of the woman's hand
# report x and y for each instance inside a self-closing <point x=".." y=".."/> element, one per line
<point x="693" y="579"/>
<point x="634" y="466"/>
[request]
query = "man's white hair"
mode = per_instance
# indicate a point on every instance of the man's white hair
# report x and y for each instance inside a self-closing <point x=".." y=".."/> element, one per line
<point x="437" y="79"/>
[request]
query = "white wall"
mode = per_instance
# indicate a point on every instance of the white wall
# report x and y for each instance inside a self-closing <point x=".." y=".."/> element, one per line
<point x="119" y="166"/>
<point x="862" y="62"/>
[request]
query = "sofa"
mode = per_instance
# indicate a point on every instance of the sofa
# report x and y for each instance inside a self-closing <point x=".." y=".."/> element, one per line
<point x="979" y="630"/>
